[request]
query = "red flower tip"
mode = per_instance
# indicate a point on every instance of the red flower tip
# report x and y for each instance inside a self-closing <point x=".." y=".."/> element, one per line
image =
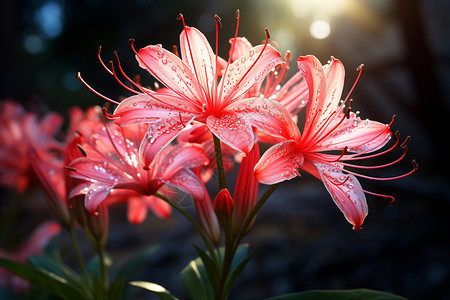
<point x="223" y="205"/>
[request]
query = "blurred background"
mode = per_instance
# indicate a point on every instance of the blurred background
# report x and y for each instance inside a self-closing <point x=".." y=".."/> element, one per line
<point x="302" y="240"/>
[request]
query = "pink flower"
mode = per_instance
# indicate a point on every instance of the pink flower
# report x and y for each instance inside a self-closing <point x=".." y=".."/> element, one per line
<point x="112" y="171"/>
<point x="34" y="246"/>
<point x="21" y="131"/>
<point x="328" y="128"/>
<point x="197" y="94"/>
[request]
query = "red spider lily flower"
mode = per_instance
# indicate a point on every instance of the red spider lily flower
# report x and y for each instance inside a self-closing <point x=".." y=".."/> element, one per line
<point x="112" y="171"/>
<point x="328" y="128"/>
<point x="246" y="190"/>
<point x="34" y="246"/>
<point x="21" y="131"/>
<point x="197" y="94"/>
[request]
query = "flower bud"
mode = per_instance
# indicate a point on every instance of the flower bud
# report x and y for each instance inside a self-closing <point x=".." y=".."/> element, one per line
<point x="223" y="205"/>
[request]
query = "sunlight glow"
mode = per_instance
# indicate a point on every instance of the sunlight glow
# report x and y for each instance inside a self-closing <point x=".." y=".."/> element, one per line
<point x="320" y="29"/>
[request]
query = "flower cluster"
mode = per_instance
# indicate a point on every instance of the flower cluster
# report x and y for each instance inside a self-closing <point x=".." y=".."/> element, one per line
<point x="212" y="113"/>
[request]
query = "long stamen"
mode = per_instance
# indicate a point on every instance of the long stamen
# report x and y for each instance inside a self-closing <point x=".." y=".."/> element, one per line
<point x="415" y="167"/>
<point x="94" y="91"/>
<point x="359" y="69"/>
<point x="231" y="53"/>
<point x="111" y="64"/>
<point x="226" y="101"/>
<point x="218" y="22"/>
<point x="101" y="61"/>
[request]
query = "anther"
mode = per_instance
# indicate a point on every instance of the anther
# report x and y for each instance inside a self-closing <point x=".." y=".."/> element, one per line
<point x="359" y="68"/>
<point x="237" y="13"/>
<point x="403" y="145"/>
<point x="83" y="152"/>
<point x="175" y="50"/>
<point x="180" y="17"/>
<point x="267" y="33"/>
<point x="218" y="20"/>
<point x="70" y="168"/>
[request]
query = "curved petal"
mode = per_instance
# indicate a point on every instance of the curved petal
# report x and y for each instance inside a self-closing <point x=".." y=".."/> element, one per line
<point x="346" y="192"/>
<point x="171" y="71"/>
<point x="184" y="155"/>
<point x="294" y="94"/>
<point x="159" y="207"/>
<point x="279" y="163"/>
<point x="334" y="77"/>
<point x="161" y="133"/>
<point x="188" y="182"/>
<point x="136" y="210"/>
<point x="248" y="70"/>
<point x="142" y="108"/>
<point x="268" y="116"/>
<point x="357" y="135"/>
<point x="233" y="129"/>
<point x="241" y="47"/>
<point x="198" y="55"/>
<point x="95" y="170"/>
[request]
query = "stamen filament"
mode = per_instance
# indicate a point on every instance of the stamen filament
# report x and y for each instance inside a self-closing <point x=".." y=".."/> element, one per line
<point x="94" y="91"/>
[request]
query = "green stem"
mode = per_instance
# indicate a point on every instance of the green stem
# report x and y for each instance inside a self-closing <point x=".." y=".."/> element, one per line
<point x="219" y="160"/>
<point x="230" y="251"/>
<point x="79" y="257"/>
<point x="103" y="270"/>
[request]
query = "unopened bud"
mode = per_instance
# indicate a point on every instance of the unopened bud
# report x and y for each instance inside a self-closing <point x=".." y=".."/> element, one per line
<point x="223" y="205"/>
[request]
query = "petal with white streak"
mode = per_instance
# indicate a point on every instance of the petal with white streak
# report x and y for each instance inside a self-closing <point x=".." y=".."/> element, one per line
<point x="171" y="71"/>
<point x="246" y="71"/>
<point x="268" y="116"/>
<point x="159" y="134"/>
<point x="279" y="163"/>
<point x="233" y="129"/>
<point x="346" y="192"/>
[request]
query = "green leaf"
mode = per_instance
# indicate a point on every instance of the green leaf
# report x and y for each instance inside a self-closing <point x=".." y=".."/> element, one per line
<point x="155" y="288"/>
<point x="131" y="266"/>
<point x="44" y="279"/>
<point x="99" y="287"/>
<point x="236" y="271"/>
<point x="116" y="289"/>
<point x="195" y="280"/>
<point x="199" y="276"/>
<point x="57" y="267"/>
<point x="211" y="272"/>
<point x="356" y="294"/>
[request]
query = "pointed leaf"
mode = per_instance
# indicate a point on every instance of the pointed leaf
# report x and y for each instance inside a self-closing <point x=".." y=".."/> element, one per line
<point x="45" y="280"/>
<point x="54" y="266"/>
<point x="196" y="283"/>
<point x="209" y="267"/>
<point x="155" y="288"/>
<point x="116" y="289"/>
<point x="355" y="294"/>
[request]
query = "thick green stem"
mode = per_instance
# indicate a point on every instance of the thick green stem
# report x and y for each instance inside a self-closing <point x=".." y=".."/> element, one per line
<point x="103" y="270"/>
<point x="230" y="251"/>
<point x="219" y="160"/>
<point x="79" y="257"/>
